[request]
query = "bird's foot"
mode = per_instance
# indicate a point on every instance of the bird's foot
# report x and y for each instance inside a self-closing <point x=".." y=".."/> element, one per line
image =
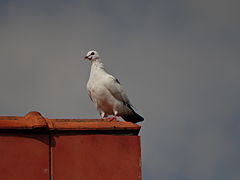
<point x="110" y="119"/>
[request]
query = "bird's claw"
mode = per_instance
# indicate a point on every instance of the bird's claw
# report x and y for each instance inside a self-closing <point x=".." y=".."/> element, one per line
<point x="110" y="119"/>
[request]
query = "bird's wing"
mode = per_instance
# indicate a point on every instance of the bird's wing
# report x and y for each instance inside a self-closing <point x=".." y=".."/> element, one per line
<point x="90" y="95"/>
<point x="114" y="87"/>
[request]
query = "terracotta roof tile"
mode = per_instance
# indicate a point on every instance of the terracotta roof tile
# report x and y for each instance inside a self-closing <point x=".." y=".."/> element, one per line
<point x="34" y="120"/>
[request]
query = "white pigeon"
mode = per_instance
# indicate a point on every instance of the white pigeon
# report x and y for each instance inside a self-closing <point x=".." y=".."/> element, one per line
<point x="107" y="93"/>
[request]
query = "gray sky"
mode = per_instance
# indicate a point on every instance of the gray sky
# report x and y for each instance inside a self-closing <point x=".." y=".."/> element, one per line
<point x="178" y="61"/>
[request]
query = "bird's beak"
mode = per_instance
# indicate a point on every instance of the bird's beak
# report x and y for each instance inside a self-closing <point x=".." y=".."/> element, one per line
<point x="86" y="57"/>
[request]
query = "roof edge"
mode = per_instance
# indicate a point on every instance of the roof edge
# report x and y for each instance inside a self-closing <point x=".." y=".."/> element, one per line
<point x="34" y="120"/>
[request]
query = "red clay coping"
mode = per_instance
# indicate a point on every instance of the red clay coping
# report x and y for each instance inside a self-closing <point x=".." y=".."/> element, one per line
<point x="34" y="120"/>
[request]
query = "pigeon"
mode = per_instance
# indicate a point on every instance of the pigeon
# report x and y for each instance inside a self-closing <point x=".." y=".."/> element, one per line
<point x="107" y="93"/>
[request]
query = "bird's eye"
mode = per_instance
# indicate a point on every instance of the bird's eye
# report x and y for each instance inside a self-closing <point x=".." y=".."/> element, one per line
<point x="92" y="53"/>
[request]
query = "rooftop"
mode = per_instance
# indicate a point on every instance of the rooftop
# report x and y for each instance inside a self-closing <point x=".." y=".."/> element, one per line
<point x="34" y="121"/>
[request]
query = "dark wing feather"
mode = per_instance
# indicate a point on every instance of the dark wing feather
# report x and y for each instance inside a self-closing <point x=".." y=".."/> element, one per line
<point x="135" y="118"/>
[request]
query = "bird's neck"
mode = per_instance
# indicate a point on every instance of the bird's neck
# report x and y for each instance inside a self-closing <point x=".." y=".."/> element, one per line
<point x="97" y="66"/>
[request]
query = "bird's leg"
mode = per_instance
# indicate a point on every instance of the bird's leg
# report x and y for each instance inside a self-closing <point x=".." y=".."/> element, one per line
<point x="114" y="118"/>
<point x="115" y="115"/>
<point x="104" y="117"/>
<point x="102" y="114"/>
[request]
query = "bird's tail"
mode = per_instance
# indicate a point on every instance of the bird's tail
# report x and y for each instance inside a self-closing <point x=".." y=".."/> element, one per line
<point x="135" y="118"/>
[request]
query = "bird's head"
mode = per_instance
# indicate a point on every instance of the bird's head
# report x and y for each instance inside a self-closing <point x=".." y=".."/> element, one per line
<point x="92" y="55"/>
